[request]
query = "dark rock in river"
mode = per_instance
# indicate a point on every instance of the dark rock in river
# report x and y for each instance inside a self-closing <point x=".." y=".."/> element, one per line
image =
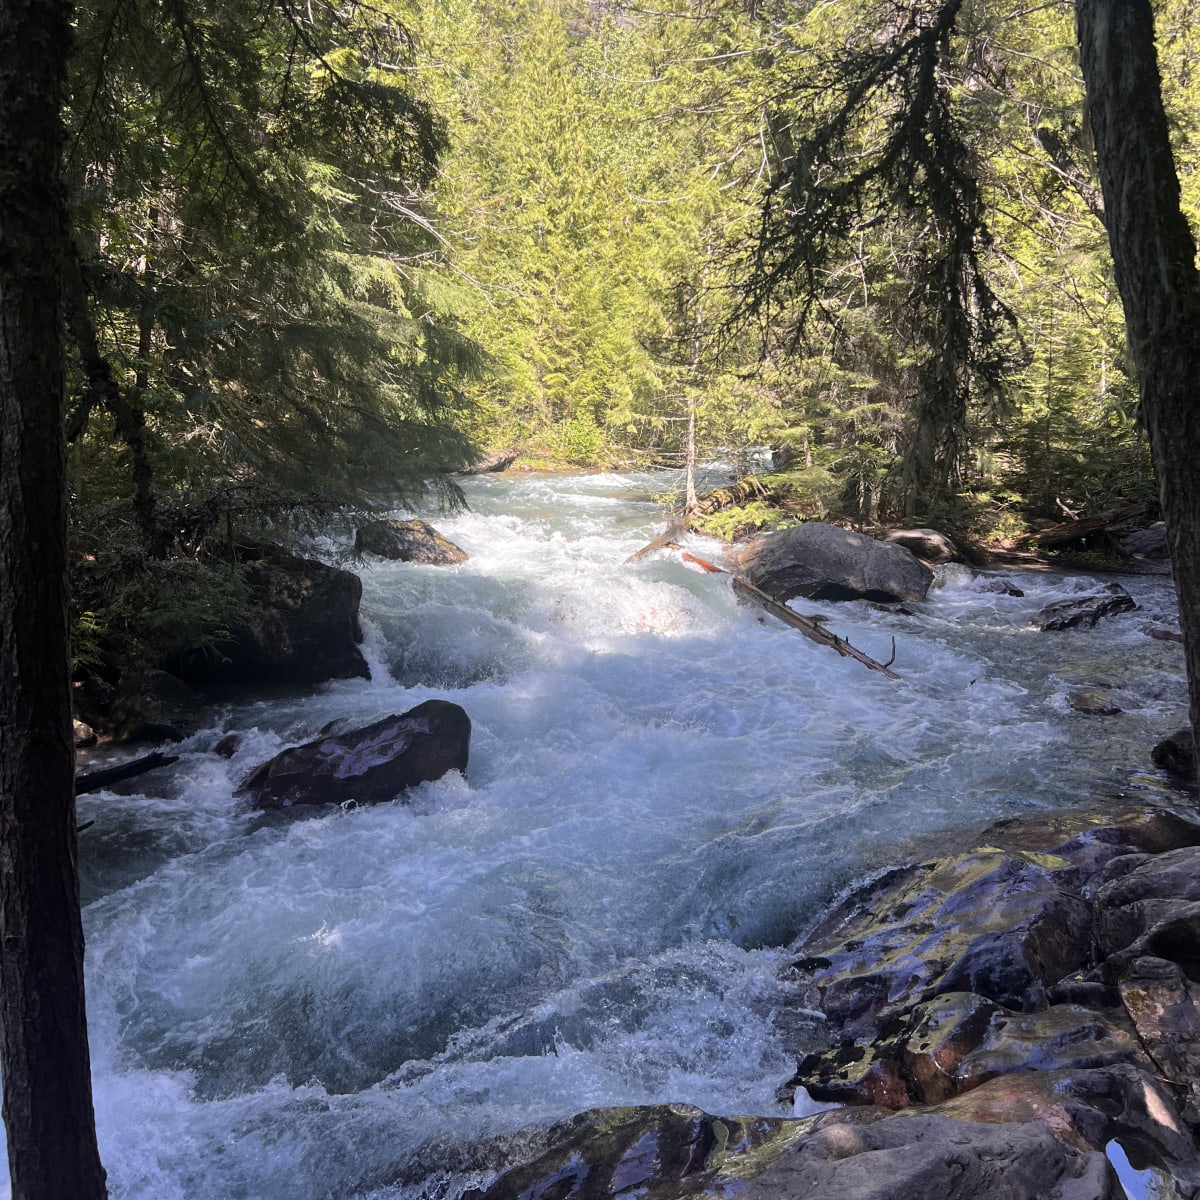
<point x="408" y="541"/>
<point x="824" y="562"/>
<point x="492" y="461"/>
<point x="301" y="627"/>
<point x="369" y="765"/>
<point x="1086" y="610"/>
<point x="999" y="587"/>
<point x="927" y="544"/>
<point x="1174" y="754"/>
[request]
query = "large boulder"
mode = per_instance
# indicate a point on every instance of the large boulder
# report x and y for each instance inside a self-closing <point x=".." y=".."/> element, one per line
<point x="366" y="766"/>
<point x="1149" y="543"/>
<point x="408" y="541"/>
<point x="301" y="627"/>
<point x="824" y="562"/>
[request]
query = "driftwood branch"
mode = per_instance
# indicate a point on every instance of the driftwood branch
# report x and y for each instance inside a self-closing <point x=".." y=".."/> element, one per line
<point x="806" y="625"/>
<point x="94" y="781"/>
<point x="660" y="543"/>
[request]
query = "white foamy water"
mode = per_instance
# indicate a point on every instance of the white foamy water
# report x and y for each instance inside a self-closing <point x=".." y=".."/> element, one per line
<point x="663" y="790"/>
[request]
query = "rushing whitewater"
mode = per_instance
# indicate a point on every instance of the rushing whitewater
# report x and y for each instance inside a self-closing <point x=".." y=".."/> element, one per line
<point x="663" y="790"/>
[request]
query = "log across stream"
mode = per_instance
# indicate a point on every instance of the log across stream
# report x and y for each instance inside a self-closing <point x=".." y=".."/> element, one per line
<point x="664" y="792"/>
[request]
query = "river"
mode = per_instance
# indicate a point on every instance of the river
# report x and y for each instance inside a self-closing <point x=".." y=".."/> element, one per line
<point x="663" y="790"/>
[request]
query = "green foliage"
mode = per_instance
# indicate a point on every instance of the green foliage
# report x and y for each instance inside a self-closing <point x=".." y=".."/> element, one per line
<point x="131" y="611"/>
<point x="248" y="191"/>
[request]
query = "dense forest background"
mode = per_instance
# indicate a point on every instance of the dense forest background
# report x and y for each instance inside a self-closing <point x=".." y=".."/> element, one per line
<point x="327" y="254"/>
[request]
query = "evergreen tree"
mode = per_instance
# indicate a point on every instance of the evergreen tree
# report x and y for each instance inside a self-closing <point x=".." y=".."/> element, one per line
<point x="44" y="1057"/>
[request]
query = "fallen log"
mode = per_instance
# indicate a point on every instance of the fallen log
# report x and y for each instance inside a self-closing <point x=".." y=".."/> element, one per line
<point x="809" y="626"/>
<point x="94" y="781"/>
<point x="748" y="488"/>
<point x="1072" y="531"/>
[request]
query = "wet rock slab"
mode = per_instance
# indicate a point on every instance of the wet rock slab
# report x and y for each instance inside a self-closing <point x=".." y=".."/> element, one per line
<point x="666" y="1152"/>
<point x="984" y="1036"/>
<point x="1085" y="611"/>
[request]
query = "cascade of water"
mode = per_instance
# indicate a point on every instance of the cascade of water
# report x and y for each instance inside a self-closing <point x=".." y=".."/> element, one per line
<point x="663" y="790"/>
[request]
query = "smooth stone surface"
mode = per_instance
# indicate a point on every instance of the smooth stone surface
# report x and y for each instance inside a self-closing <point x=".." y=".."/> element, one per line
<point x="825" y="562"/>
<point x="1004" y="926"/>
<point x="301" y="627"/>
<point x="408" y="541"/>
<point x="1094" y="702"/>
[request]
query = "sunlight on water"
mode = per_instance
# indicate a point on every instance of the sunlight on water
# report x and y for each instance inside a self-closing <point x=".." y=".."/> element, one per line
<point x="663" y="790"/>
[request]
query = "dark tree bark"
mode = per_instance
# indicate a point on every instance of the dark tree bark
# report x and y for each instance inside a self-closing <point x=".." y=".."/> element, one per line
<point x="1155" y="259"/>
<point x="43" y="1033"/>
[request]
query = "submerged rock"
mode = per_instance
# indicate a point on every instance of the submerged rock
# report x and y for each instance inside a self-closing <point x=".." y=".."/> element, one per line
<point x="1086" y="610"/>
<point x="998" y="586"/>
<point x="366" y="766"/>
<point x="824" y="562"/>
<point x="152" y="706"/>
<point x="1094" y="702"/>
<point x="408" y="541"/>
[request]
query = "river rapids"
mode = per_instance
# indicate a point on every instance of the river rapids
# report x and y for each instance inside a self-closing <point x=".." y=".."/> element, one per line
<point x="665" y="788"/>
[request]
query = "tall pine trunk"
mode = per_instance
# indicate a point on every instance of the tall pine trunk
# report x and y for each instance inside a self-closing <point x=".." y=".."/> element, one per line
<point x="1155" y="259"/>
<point x="43" y="1034"/>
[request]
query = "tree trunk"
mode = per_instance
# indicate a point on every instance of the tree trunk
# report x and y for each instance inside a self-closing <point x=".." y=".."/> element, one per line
<point x="1154" y="256"/>
<point x="43" y="1033"/>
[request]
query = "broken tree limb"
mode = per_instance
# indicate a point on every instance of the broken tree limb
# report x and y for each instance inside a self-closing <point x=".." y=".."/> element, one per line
<point x="660" y="543"/>
<point x="93" y="781"/>
<point x="808" y="626"/>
